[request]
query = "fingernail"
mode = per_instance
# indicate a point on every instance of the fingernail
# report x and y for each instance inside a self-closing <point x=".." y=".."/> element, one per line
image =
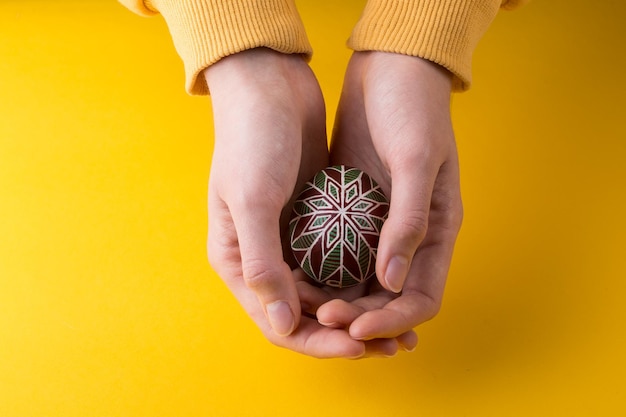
<point x="383" y="355"/>
<point x="280" y="317"/>
<point x="396" y="272"/>
<point x="332" y="324"/>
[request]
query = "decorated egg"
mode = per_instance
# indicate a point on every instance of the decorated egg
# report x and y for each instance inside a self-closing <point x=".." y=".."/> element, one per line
<point x="335" y="226"/>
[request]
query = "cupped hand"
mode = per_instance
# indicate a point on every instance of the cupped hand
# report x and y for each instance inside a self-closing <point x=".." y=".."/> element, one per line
<point x="270" y="137"/>
<point x="393" y="122"/>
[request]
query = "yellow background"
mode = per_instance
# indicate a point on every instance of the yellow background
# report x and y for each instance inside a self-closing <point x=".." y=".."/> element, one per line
<point x="108" y="306"/>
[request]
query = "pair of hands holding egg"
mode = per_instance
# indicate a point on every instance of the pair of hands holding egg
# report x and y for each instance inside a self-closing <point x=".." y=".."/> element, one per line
<point x="393" y="122"/>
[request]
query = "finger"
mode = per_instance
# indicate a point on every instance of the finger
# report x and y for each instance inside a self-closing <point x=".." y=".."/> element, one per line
<point x="381" y="348"/>
<point x="225" y="257"/>
<point x="311" y="297"/>
<point x="420" y="300"/>
<point x="407" y="341"/>
<point x="263" y="267"/>
<point x="396" y="318"/>
<point x="407" y="223"/>
<point x="423" y="291"/>
<point x="312" y="339"/>
<point x="338" y="313"/>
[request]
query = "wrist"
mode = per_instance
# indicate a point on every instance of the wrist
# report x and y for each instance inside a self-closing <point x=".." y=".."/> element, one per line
<point x="253" y="67"/>
<point x="411" y="77"/>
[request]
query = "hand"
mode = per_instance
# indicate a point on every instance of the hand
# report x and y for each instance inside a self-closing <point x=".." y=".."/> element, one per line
<point x="393" y="122"/>
<point x="270" y="137"/>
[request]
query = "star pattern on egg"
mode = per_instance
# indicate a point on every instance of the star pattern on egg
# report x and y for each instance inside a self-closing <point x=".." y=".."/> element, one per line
<point x="336" y="224"/>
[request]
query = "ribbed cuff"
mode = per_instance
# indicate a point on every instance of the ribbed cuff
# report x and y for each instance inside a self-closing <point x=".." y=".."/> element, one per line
<point x="204" y="31"/>
<point x="443" y="31"/>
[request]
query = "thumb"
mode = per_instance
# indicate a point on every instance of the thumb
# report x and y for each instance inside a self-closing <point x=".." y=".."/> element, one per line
<point x="406" y="226"/>
<point x="264" y="270"/>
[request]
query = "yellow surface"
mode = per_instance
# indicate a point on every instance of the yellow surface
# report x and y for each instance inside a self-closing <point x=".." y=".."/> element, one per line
<point x="108" y="306"/>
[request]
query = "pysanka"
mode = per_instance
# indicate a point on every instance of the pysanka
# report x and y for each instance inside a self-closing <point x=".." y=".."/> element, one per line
<point x="336" y="224"/>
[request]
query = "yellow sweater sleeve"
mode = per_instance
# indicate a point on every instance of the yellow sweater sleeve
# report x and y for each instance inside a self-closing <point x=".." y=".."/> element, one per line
<point x="443" y="31"/>
<point x="204" y="31"/>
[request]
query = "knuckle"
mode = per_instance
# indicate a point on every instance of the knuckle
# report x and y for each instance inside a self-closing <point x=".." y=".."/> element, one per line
<point x="413" y="226"/>
<point x="429" y="306"/>
<point x="269" y="190"/>
<point x="454" y="216"/>
<point x="457" y="216"/>
<point x="448" y="208"/>
<point x="223" y="260"/>
<point x="257" y="275"/>
<point x="222" y="246"/>
<point x="215" y="254"/>
<point x="257" y="199"/>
